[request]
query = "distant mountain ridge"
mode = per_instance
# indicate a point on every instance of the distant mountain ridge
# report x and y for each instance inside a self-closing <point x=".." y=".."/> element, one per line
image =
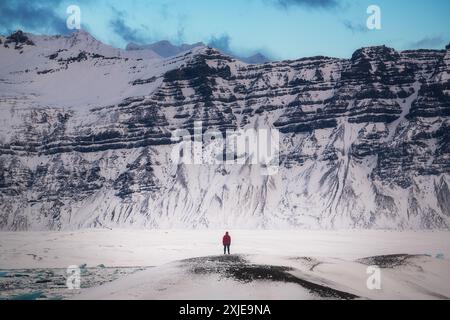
<point x="166" y="49"/>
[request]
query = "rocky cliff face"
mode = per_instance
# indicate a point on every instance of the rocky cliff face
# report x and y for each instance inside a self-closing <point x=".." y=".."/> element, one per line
<point x="85" y="138"/>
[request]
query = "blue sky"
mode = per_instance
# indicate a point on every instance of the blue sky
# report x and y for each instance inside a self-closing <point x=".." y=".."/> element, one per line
<point x="281" y="29"/>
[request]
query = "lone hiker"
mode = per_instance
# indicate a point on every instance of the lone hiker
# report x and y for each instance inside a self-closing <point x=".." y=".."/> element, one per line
<point x="226" y="243"/>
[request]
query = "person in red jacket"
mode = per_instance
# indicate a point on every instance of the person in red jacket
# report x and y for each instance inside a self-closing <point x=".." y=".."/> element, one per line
<point x="226" y="243"/>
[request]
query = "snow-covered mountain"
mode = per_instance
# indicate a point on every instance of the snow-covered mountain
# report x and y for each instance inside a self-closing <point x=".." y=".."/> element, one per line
<point x="85" y="138"/>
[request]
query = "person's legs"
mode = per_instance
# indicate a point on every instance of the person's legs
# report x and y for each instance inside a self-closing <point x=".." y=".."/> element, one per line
<point x="224" y="249"/>
<point x="228" y="248"/>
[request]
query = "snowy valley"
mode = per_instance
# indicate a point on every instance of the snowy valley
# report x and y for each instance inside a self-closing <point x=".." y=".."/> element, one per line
<point x="187" y="264"/>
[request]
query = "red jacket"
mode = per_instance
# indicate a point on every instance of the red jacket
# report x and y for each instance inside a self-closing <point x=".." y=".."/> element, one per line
<point x="226" y="240"/>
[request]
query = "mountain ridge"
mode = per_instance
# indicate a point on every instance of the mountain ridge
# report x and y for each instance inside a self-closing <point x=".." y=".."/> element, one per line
<point x="166" y="50"/>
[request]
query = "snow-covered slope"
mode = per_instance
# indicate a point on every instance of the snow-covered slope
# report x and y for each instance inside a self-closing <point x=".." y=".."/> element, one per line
<point x="85" y="138"/>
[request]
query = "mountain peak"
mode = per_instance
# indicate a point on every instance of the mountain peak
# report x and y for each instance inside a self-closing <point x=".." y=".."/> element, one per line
<point x="19" y="37"/>
<point x="82" y="35"/>
<point x="374" y="51"/>
<point x="377" y="49"/>
<point x="257" y="58"/>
